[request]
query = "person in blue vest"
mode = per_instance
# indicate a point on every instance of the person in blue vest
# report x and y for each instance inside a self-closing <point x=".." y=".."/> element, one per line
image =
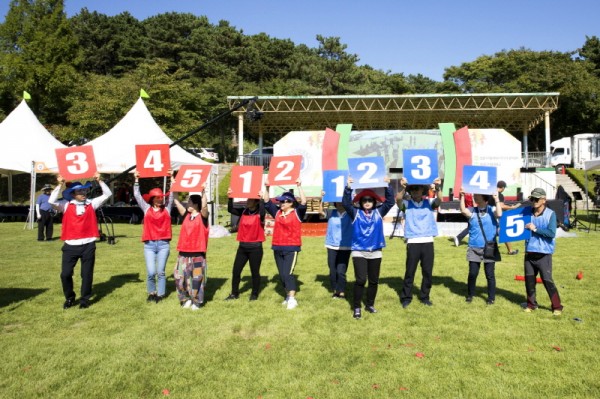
<point x="367" y="210"/>
<point x="538" y="252"/>
<point x="338" y="241"/>
<point x="483" y="226"/>
<point x="419" y="230"/>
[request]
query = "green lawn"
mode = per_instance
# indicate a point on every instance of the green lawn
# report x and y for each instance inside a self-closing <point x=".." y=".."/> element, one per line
<point x="122" y="347"/>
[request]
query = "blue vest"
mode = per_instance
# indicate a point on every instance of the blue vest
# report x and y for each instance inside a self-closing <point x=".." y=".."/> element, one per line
<point x="367" y="231"/>
<point x="419" y="221"/>
<point x="538" y="243"/>
<point x="490" y="226"/>
<point x="339" y="230"/>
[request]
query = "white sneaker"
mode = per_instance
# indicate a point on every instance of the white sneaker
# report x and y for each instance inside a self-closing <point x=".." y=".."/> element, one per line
<point x="292" y="303"/>
<point x="187" y="304"/>
<point x="285" y="301"/>
<point x="195" y="307"/>
<point x="456" y="242"/>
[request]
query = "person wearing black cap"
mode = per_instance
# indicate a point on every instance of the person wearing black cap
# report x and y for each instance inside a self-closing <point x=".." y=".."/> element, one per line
<point x="287" y="237"/>
<point x="190" y="270"/>
<point x="79" y="232"/>
<point x="501" y="186"/>
<point x="45" y="213"/>
<point x="419" y="230"/>
<point x="538" y="252"/>
<point x="368" y="241"/>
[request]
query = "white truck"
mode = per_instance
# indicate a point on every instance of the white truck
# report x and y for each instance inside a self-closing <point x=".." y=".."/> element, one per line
<point x="573" y="151"/>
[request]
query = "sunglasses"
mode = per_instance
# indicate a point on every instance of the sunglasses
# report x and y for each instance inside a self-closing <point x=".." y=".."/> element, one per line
<point x="535" y="199"/>
<point x="287" y="201"/>
<point x="366" y="199"/>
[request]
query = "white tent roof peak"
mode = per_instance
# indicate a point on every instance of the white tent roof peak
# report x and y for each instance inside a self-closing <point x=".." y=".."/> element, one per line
<point x="115" y="150"/>
<point x="25" y="140"/>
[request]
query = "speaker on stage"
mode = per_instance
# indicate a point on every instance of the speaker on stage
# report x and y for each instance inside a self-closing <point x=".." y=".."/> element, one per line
<point x="558" y="206"/>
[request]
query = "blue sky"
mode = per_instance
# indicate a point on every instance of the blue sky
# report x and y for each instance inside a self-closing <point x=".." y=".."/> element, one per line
<point x="400" y="36"/>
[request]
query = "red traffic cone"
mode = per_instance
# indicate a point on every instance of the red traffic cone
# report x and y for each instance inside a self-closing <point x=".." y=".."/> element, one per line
<point x="580" y="275"/>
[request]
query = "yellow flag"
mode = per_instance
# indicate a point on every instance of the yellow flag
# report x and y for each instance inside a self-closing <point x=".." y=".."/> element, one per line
<point x="26" y="96"/>
<point x="143" y="94"/>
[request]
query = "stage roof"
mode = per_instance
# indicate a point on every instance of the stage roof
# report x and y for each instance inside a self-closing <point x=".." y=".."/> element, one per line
<point x="514" y="112"/>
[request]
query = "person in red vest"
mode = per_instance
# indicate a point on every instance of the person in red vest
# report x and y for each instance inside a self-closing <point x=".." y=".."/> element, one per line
<point x="250" y="235"/>
<point x="190" y="270"/>
<point x="156" y="235"/>
<point x="79" y="232"/>
<point x="287" y="237"/>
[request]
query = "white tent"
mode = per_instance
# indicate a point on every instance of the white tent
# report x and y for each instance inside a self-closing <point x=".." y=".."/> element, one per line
<point x="25" y="142"/>
<point x="589" y="165"/>
<point x="115" y="150"/>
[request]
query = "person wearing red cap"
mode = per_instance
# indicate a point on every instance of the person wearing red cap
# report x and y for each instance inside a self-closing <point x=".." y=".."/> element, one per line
<point x="367" y="210"/>
<point x="419" y="230"/>
<point x="287" y="237"/>
<point x="190" y="270"/>
<point x="156" y="236"/>
<point x="79" y="232"/>
<point x="250" y="235"/>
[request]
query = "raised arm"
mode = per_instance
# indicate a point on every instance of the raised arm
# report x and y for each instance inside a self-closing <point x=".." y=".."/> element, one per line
<point x="301" y="191"/>
<point x="106" y="193"/>
<point x="499" y="206"/>
<point x="204" y="208"/>
<point x="463" y="208"/>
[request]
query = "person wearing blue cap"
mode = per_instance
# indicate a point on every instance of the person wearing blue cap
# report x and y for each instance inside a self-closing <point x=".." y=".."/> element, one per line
<point x="287" y="237"/>
<point x="79" y="232"/>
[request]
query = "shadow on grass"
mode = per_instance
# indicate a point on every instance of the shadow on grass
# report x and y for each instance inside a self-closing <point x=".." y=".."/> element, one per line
<point x="213" y="284"/>
<point x="247" y="284"/>
<point x="103" y="289"/>
<point x="460" y="288"/>
<point x="9" y="296"/>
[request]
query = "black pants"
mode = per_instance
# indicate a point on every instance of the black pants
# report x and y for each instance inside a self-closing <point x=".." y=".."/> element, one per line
<point x="415" y="253"/>
<point x="540" y="263"/>
<point x="366" y="269"/>
<point x="286" y="263"/>
<point x="70" y="255"/>
<point x="337" y="260"/>
<point x="252" y="255"/>
<point x="489" y="275"/>
<point x="45" y="225"/>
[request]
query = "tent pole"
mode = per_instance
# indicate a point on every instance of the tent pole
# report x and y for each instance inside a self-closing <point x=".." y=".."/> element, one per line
<point x="31" y="214"/>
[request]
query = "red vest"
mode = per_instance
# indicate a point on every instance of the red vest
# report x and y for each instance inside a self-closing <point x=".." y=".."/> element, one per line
<point x="287" y="230"/>
<point x="77" y="227"/>
<point x="250" y="229"/>
<point x="157" y="225"/>
<point x="193" y="236"/>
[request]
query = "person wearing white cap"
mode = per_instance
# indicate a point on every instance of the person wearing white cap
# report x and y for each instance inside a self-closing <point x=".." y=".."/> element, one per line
<point x="79" y="232"/>
<point x="538" y="252"/>
<point x="44" y="212"/>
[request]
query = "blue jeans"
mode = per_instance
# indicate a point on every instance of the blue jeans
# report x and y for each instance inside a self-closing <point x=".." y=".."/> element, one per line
<point x="156" y="254"/>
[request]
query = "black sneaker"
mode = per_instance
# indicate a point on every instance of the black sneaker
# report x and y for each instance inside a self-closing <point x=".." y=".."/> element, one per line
<point x="253" y="297"/>
<point x="84" y="304"/>
<point x="69" y="303"/>
<point x="427" y="302"/>
<point x="490" y="302"/>
<point x="469" y="299"/>
<point x="151" y="298"/>
<point x="405" y="304"/>
<point x="370" y="309"/>
<point x="158" y="298"/>
<point x="232" y="297"/>
<point x="357" y="313"/>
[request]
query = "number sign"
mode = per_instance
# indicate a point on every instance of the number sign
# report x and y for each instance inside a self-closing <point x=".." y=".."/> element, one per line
<point x="190" y="178"/>
<point x="479" y="179"/>
<point x="152" y="160"/>
<point x="420" y="166"/>
<point x="246" y="181"/>
<point x="367" y="172"/>
<point x="334" y="182"/>
<point x="75" y="163"/>
<point x="512" y="225"/>
<point x="284" y="170"/>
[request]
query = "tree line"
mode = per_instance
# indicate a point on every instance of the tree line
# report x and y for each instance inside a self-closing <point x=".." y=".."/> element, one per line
<point x="84" y="72"/>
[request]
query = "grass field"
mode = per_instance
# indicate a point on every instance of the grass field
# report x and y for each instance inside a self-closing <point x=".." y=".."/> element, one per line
<point x="123" y="347"/>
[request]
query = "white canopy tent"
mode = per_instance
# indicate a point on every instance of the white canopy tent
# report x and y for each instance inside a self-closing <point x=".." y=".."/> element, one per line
<point x="115" y="150"/>
<point x="27" y="147"/>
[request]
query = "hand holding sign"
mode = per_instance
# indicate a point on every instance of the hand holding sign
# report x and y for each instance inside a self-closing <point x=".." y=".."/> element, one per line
<point x="246" y="181"/>
<point x="191" y="178"/>
<point x="368" y="172"/>
<point x="284" y="170"/>
<point x="152" y="160"/>
<point x="75" y="163"/>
